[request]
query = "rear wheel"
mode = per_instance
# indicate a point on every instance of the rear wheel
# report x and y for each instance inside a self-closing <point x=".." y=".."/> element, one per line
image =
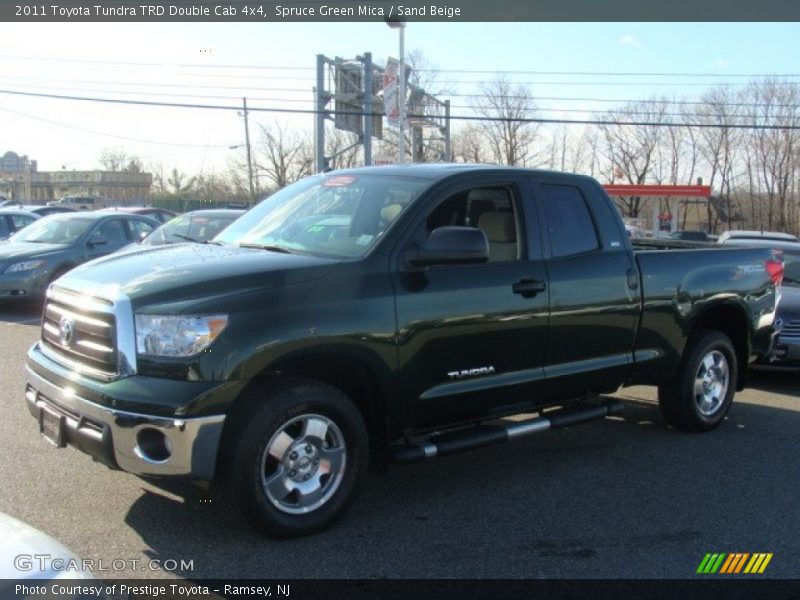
<point x="702" y="392"/>
<point x="297" y="456"/>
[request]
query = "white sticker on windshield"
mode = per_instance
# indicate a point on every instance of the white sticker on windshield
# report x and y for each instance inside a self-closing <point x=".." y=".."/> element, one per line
<point x="364" y="240"/>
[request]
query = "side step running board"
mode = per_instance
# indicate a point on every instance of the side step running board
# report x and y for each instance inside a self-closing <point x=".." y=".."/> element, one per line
<point x="442" y="444"/>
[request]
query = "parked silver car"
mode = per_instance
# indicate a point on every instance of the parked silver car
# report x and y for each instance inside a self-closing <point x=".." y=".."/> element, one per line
<point x="27" y="553"/>
<point x="51" y="246"/>
<point x="14" y="219"/>
<point x="755" y="238"/>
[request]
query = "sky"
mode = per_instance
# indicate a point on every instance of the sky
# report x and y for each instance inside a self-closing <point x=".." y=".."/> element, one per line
<point x="569" y="67"/>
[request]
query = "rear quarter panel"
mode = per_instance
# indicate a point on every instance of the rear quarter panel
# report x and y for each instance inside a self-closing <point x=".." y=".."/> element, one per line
<point x="680" y="288"/>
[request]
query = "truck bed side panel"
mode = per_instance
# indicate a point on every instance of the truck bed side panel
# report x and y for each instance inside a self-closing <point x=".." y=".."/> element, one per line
<point x="682" y="289"/>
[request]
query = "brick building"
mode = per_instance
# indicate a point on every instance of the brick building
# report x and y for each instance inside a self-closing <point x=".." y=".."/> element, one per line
<point x="20" y="180"/>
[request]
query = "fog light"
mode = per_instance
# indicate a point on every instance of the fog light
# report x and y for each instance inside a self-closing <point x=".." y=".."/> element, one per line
<point x="152" y="445"/>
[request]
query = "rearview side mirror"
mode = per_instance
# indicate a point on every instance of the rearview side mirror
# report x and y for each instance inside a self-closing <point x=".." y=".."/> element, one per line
<point x="451" y="245"/>
<point x="97" y="240"/>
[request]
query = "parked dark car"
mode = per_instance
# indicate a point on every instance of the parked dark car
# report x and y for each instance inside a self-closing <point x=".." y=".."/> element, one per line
<point x="786" y="351"/>
<point x="387" y="314"/>
<point x="44" y="211"/>
<point x="162" y="215"/>
<point x="14" y="219"/>
<point x="690" y="235"/>
<point x="194" y="226"/>
<point x="51" y="246"/>
<point x="80" y="202"/>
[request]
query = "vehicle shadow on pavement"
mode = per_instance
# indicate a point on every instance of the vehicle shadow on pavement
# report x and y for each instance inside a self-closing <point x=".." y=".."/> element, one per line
<point x="783" y="381"/>
<point x="28" y="312"/>
<point x="569" y="503"/>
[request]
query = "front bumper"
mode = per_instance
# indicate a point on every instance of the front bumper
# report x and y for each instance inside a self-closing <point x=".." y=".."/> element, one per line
<point x="26" y="284"/>
<point x="785" y="351"/>
<point x="136" y="443"/>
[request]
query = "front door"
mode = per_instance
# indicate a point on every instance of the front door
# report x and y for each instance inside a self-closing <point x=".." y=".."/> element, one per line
<point x="472" y="337"/>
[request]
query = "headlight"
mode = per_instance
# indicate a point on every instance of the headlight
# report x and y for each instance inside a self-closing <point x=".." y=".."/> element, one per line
<point x="28" y="265"/>
<point x="158" y="335"/>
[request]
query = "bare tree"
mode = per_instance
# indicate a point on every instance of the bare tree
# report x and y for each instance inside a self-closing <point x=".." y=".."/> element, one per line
<point x="117" y="159"/>
<point x="508" y="133"/>
<point x="717" y="147"/>
<point x="773" y="102"/>
<point x="159" y="184"/>
<point x="283" y="156"/>
<point x="631" y="144"/>
<point x="343" y="147"/>
<point x="212" y="187"/>
<point x="469" y="145"/>
<point x="179" y="183"/>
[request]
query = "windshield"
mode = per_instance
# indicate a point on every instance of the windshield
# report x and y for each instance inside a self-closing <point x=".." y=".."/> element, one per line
<point x="55" y="229"/>
<point x="328" y="215"/>
<point x="189" y="227"/>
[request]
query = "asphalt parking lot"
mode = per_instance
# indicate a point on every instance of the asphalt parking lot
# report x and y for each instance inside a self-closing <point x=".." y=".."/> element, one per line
<point x="626" y="497"/>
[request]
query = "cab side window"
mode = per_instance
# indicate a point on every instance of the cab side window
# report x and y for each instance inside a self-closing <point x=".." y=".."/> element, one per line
<point x="113" y="231"/>
<point x="139" y="228"/>
<point x="491" y="209"/>
<point x="569" y="222"/>
<point x="21" y="221"/>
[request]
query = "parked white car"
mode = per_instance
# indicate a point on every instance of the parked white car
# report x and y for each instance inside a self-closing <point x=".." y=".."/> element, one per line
<point x="27" y="553"/>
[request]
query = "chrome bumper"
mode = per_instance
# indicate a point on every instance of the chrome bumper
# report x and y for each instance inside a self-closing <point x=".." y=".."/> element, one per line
<point x="136" y="443"/>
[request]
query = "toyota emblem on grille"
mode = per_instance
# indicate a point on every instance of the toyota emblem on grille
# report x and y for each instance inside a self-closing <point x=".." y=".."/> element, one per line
<point x="66" y="329"/>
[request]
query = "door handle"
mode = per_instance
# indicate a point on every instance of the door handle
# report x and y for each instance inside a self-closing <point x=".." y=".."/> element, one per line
<point x="528" y="287"/>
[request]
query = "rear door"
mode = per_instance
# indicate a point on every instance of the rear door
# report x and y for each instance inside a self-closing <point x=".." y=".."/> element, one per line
<point x="471" y="340"/>
<point x="593" y="282"/>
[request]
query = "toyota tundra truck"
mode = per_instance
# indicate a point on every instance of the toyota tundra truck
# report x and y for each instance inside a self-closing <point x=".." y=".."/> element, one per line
<point x="386" y="315"/>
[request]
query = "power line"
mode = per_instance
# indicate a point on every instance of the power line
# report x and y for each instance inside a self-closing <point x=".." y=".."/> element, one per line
<point x="311" y="101"/>
<point x="422" y="70"/>
<point x="111" y="135"/>
<point x="410" y="116"/>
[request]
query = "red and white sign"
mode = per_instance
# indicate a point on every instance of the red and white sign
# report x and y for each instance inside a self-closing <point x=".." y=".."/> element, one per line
<point x="391" y="92"/>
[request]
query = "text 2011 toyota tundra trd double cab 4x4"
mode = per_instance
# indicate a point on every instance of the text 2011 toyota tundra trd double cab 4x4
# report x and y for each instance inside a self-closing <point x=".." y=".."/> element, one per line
<point x="381" y="314"/>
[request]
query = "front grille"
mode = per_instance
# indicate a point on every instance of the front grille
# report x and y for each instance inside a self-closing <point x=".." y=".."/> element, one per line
<point x="791" y="329"/>
<point x="81" y="332"/>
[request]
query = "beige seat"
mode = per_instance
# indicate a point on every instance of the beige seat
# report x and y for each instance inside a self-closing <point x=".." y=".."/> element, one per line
<point x="502" y="235"/>
<point x="390" y="211"/>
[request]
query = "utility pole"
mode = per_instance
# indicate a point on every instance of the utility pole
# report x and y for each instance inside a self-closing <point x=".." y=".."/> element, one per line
<point x="249" y="155"/>
<point x="319" y="117"/>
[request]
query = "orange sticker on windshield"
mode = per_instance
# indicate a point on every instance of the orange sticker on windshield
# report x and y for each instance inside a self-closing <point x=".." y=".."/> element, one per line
<point x="338" y="181"/>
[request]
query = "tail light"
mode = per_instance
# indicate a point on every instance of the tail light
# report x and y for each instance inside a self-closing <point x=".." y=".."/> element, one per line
<point x="775" y="270"/>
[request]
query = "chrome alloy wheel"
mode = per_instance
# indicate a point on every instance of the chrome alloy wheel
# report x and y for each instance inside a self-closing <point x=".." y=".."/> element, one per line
<point x="711" y="383"/>
<point x="303" y="464"/>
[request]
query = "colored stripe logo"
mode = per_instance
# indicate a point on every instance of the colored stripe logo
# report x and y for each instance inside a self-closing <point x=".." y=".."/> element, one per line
<point x="735" y="562"/>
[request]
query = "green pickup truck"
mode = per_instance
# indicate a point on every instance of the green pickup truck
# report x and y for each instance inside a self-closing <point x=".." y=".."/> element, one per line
<point x="386" y="314"/>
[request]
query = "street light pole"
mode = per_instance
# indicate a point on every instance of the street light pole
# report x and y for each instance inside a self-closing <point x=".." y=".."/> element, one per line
<point x="401" y="88"/>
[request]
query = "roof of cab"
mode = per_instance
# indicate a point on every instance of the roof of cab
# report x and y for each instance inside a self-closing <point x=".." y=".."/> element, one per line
<point x="440" y="170"/>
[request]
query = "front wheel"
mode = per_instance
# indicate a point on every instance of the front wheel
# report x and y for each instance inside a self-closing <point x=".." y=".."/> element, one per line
<point x="298" y="456"/>
<point x="702" y="391"/>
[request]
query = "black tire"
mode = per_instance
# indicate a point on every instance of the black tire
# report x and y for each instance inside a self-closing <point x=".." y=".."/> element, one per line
<point x="284" y="417"/>
<point x="702" y="391"/>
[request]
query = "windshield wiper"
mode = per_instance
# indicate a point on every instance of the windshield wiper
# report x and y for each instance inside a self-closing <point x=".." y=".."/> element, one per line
<point x="269" y="247"/>
<point x="185" y="237"/>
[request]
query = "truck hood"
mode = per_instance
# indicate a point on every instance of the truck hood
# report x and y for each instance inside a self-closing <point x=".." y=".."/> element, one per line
<point x="186" y="272"/>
